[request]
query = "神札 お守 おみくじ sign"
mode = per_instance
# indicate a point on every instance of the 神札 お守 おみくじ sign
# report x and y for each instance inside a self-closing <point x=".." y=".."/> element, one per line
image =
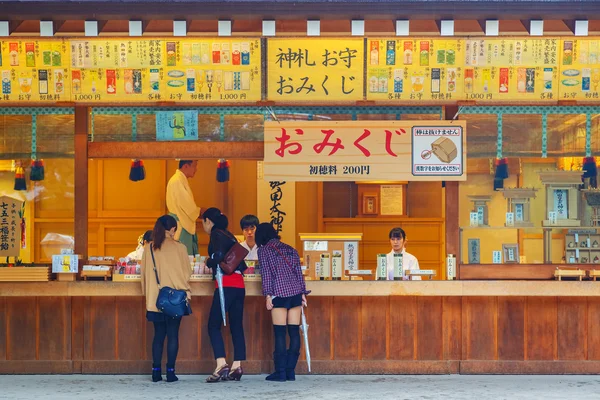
<point x="315" y="69"/>
<point x="365" y="151"/>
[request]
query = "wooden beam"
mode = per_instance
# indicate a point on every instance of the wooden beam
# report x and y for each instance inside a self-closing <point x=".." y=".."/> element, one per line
<point x="452" y="207"/>
<point x="570" y="24"/>
<point x="509" y="271"/>
<point x="101" y="25"/>
<point x="172" y="150"/>
<point x="82" y="124"/>
<point x="57" y="25"/>
<point x="13" y="25"/>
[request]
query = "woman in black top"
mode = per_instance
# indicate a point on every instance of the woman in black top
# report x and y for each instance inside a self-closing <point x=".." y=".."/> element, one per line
<point x="221" y="241"/>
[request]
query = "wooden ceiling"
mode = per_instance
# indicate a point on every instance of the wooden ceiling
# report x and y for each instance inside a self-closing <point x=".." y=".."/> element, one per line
<point x="298" y="9"/>
<point x="470" y="15"/>
<point x="296" y="27"/>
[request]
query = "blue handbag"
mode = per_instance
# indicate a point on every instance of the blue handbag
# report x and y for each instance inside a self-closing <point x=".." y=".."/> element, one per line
<point x="171" y="302"/>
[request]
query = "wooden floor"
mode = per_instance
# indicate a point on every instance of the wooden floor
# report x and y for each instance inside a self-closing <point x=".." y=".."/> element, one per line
<point x="358" y="335"/>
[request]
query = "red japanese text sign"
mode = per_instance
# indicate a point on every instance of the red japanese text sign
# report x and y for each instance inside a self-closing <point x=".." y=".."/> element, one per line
<point x="365" y="151"/>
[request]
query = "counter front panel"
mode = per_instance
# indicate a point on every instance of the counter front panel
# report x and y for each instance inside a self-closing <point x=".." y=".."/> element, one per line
<point x="382" y="327"/>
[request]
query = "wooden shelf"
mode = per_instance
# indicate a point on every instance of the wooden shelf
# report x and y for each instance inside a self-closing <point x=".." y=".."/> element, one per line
<point x="24" y="274"/>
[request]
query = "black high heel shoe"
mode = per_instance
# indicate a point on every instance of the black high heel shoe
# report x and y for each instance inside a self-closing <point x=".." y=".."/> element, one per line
<point x="219" y="375"/>
<point x="236" y="374"/>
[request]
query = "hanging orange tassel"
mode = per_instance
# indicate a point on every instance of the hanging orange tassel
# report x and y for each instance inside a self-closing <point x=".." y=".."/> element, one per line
<point x="222" y="170"/>
<point x="20" y="182"/>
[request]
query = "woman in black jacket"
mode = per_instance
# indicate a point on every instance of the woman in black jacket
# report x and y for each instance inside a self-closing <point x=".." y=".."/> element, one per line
<point x="221" y="240"/>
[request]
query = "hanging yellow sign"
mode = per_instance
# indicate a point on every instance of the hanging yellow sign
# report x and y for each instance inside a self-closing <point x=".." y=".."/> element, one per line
<point x="414" y="69"/>
<point x="579" y="69"/>
<point x="188" y="70"/>
<point x="511" y="69"/>
<point x="315" y="69"/>
<point x="34" y="70"/>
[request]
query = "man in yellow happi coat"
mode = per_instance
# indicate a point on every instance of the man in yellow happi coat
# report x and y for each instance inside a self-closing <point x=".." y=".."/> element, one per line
<point x="181" y="205"/>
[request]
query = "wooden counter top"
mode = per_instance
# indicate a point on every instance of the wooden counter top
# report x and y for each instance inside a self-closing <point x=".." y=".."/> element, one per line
<point x="330" y="288"/>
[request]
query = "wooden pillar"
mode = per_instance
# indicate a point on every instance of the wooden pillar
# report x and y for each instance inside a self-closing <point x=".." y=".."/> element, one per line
<point x="82" y="123"/>
<point x="452" y="207"/>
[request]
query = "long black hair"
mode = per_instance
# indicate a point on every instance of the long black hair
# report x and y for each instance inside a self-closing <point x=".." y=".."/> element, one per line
<point x="159" y="233"/>
<point x="217" y="217"/>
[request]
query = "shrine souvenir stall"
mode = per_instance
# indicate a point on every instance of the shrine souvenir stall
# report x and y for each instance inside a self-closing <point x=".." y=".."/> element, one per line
<point x="480" y="147"/>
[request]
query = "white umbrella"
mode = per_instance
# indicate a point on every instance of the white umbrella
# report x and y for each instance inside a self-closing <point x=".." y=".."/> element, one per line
<point x="305" y="333"/>
<point x="219" y="276"/>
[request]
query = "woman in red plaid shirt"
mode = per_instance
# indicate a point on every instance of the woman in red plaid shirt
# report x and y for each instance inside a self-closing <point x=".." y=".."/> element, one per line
<point x="283" y="285"/>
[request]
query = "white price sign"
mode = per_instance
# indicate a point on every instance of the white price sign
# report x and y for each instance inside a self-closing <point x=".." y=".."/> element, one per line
<point x="497" y="257"/>
<point x="510" y="219"/>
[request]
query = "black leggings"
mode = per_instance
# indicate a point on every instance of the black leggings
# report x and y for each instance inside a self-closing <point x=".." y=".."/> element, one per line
<point x="234" y="306"/>
<point x="169" y="329"/>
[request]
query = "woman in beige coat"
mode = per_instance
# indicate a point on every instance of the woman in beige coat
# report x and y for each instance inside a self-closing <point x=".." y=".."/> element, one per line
<point x="173" y="267"/>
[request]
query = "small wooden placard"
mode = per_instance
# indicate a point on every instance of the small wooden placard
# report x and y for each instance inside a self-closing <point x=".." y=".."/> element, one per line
<point x="569" y="273"/>
<point x="593" y="274"/>
<point x="85" y="274"/>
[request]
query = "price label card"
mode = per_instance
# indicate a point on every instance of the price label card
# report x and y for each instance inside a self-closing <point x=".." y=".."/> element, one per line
<point x="510" y="219"/>
<point x="553" y="217"/>
<point x="474" y="219"/>
<point x="497" y="257"/>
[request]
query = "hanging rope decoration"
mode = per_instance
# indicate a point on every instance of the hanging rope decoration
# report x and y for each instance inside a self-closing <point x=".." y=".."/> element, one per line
<point x="37" y="170"/>
<point x="36" y="173"/>
<point x="137" y="171"/>
<point x="222" y="170"/>
<point x="590" y="170"/>
<point x="501" y="162"/>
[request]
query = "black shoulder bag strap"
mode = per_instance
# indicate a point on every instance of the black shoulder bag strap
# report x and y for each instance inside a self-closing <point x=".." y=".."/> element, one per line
<point x="154" y="263"/>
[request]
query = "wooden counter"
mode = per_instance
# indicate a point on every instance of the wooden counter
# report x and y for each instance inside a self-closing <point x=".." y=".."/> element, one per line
<point x="435" y="327"/>
<point x="326" y="288"/>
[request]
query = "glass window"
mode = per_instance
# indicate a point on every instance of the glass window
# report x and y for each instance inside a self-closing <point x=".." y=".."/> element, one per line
<point x="55" y="136"/>
<point x="482" y="131"/>
<point x="244" y="128"/>
<point x="15" y="136"/>
<point x="112" y="128"/>
<point x="595" y="134"/>
<point x="566" y="135"/>
<point x="521" y="135"/>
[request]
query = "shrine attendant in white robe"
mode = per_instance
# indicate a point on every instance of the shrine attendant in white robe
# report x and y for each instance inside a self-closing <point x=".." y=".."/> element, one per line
<point x="398" y="243"/>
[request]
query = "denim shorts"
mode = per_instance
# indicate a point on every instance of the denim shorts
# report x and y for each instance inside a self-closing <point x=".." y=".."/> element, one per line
<point x="288" y="302"/>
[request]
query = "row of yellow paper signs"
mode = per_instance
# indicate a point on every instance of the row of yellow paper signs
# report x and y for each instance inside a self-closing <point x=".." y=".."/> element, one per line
<point x="230" y="70"/>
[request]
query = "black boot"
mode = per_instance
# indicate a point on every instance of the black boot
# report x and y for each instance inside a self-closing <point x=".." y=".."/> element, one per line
<point x="156" y="374"/>
<point x="171" y="377"/>
<point x="280" y="361"/>
<point x="290" y="367"/>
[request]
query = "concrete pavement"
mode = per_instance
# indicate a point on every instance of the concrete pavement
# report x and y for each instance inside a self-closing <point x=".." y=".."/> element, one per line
<point x="323" y="387"/>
